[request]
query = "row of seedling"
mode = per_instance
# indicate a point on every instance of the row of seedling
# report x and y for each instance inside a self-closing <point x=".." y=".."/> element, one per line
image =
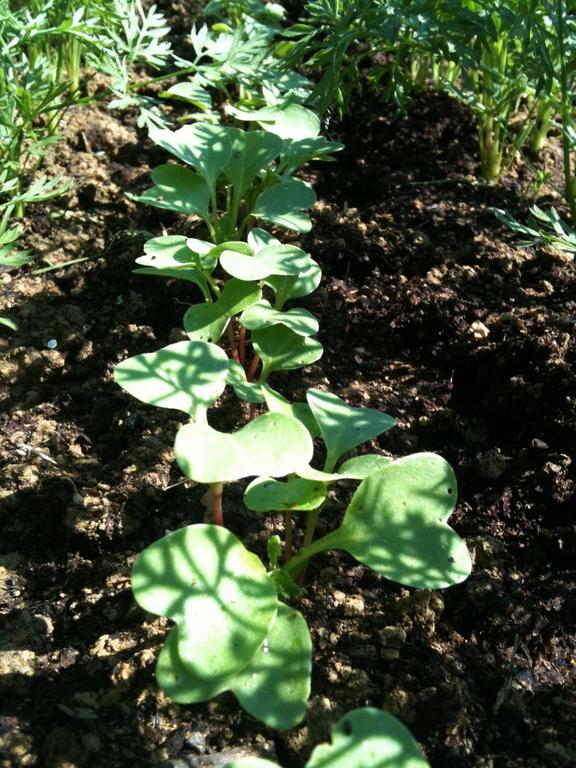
<point x="236" y="622"/>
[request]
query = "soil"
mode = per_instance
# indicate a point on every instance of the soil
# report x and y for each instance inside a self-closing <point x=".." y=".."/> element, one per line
<point x="428" y="311"/>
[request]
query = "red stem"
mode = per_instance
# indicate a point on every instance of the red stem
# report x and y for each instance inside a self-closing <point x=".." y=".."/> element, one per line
<point x="217" y="489"/>
<point x="242" y="345"/>
<point x="253" y="366"/>
<point x="232" y="340"/>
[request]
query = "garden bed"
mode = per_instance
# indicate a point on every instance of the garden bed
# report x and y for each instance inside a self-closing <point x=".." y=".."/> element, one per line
<point x="428" y="312"/>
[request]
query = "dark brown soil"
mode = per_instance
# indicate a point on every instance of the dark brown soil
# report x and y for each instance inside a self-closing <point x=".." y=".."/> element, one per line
<point x="428" y="312"/>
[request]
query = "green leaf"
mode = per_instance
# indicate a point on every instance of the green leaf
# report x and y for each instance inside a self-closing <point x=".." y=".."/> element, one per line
<point x="356" y="468"/>
<point x="178" y="189"/>
<point x="283" y="350"/>
<point x="188" y="376"/>
<point x="259" y="238"/>
<point x="283" y="204"/>
<point x="272" y="444"/>
<point x="273" y="687"/>
<point x="167" y="251"/>
<point x="274" y="550"/>
<point x="367" y="738"/>
<point x="287" y="288"/>
<point x="261" y="315"/>
<point x="396" y="524"/>
<point x="205" y="322"/>
<point x="360" y="467"/>
<point x="207" y="148"/>
<point x="238" y="295"/>
<point x="342" y="426"/>
<point x="268" y="495"/>
<point x="292" y="121"/>
<point x="8" y="323"/>
<point x="252" y="151"/>
<point x="272" y="260"/>
<point x="249" y="391"/>
<point x="169" y="256"/>
<point x="191" y="93"/>
<point x="295" y="154"/>
<point x="191" y="275"/>
<point x="300" y="411"/>
<point x="215" y="590"/>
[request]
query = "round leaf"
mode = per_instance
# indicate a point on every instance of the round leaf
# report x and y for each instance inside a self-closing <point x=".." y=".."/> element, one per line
<point x="396" y="524"/>
<point x="188" y="376"/>
<point x="368" y="738"/>
<point x="273" y="444"/>
<point x="216" y="591"/>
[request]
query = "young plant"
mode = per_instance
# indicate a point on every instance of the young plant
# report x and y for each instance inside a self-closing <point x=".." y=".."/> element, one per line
<point x="248" y="174"/>
<point x="363" y="738"/>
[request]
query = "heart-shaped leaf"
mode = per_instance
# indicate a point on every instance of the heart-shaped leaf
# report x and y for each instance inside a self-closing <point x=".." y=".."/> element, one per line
<point x="252" y="151"/>
<point x="215" y="590"/>
<point x="272" y="444"/>
<point x="366" y="738"/>
<point x="178" y="189"/>
<point x="342" y="426"/>
<point x="207" y="148"/>
<point x="273" y="687"/>
<point x="188" y="376"/>
<point x="283" y="350"/>
<point x="396" y="524"/>
<point x="283" y="204"/>
<point x="261" y="315"/>
<point x="268" y="495"/>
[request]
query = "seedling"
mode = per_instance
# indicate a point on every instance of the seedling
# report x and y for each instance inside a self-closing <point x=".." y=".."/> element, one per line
<point x="249" y="173"/>
<point x="363" y="738"/>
